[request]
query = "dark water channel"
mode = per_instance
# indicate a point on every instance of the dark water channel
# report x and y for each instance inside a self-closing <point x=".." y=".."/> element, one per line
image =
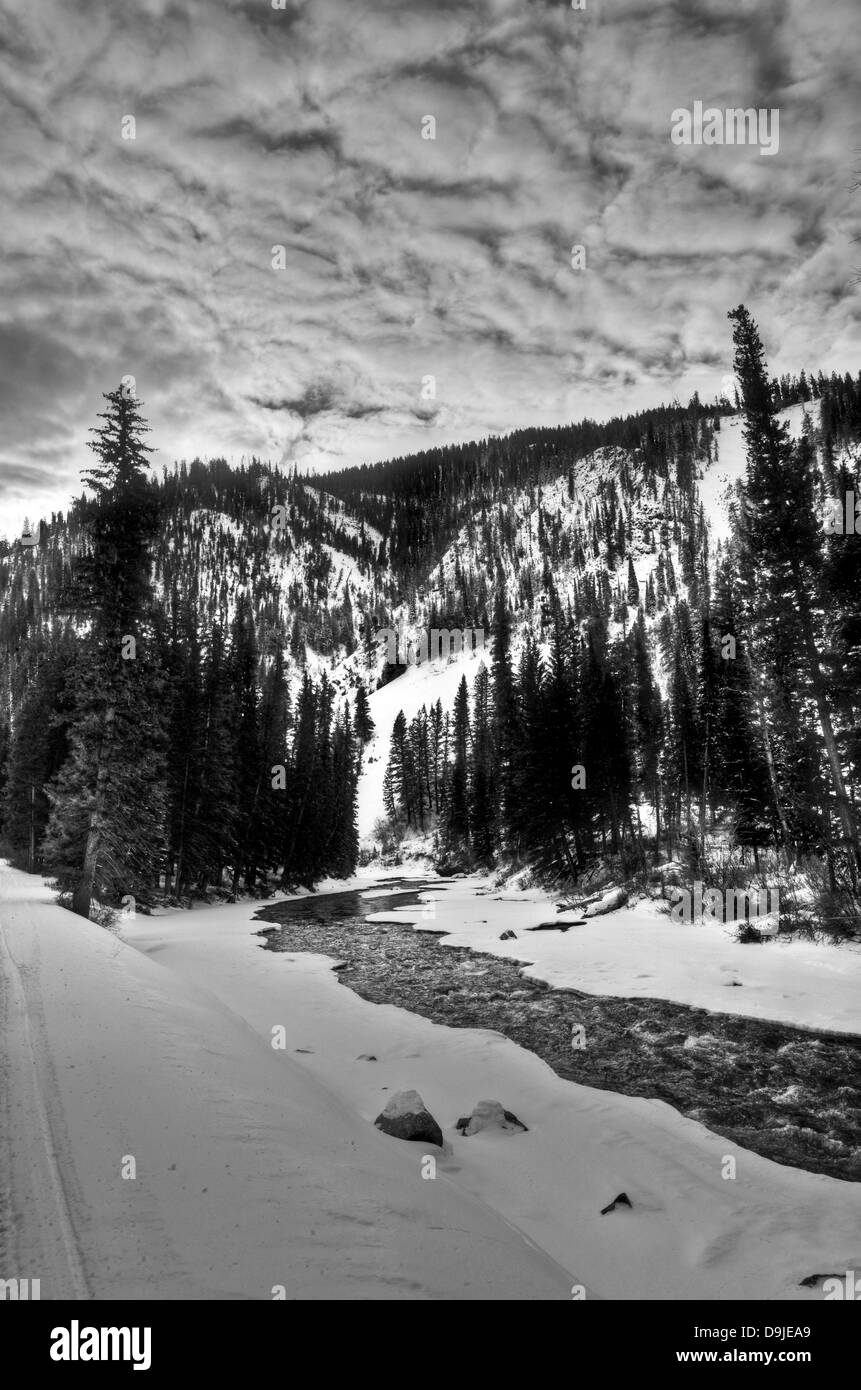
<point x="790" y="1094"/>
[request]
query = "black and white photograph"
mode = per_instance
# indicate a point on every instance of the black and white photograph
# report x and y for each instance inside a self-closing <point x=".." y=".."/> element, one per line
<point x="430" y="666"/>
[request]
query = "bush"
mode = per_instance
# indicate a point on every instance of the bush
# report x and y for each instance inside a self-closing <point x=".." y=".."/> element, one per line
<point x="390" y="831"/>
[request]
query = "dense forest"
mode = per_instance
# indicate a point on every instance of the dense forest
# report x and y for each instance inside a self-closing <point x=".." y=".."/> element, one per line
<point x="757" y="736"/>
<point x="152" y="746"/>
<point x="185" y="659"/>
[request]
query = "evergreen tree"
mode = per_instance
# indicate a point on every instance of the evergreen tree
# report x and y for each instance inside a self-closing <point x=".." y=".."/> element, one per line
<point x="106" y="829"/>
<point x="481" y="817"/>
<point x="454" y="829"/>
<point x="781" y="544"/>
<point x="633" y="585"/>
<point x="364" y="729"/>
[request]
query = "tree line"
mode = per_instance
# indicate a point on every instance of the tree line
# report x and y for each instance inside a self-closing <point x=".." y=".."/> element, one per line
<point x="150" y="750"/>
<point x="563" y="753"/>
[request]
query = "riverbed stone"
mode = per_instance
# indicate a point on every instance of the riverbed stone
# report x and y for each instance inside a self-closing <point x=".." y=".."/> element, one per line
<point x="407" y="1117"/>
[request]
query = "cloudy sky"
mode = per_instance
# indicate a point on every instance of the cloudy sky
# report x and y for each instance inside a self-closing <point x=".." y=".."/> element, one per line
<point x="404" y="257"/>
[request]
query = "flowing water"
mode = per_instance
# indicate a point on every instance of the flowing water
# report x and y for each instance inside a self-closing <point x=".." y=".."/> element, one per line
<point x="790" y="1094"/>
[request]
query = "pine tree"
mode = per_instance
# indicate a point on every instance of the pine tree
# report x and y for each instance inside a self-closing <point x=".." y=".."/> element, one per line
<point x="38" y="747"/>
<point x="106" y="829"/>
<point x="504" y="715"/>
<point x="398" y="770"/>
<point x="633" y="585"/>
<point x="454" y="829"/>
<point x="481" y="814"/>
<point x="364" y="724"/>
<point x="782" y="548"/>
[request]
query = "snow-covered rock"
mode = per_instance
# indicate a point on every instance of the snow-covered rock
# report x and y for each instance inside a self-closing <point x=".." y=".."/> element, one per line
<point x="623" y="1200"/>
<point x="489" y="1114"/>
<point x="407" y="1117"/>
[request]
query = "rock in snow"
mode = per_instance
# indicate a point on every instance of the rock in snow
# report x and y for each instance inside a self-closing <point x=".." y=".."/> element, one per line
<point x="489" y="1114"/>
<point x="407" y="1117"/>
<point x="623" y="1200"/>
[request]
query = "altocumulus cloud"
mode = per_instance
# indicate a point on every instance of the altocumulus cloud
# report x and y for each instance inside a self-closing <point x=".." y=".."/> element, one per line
<point x="404" y="257"/>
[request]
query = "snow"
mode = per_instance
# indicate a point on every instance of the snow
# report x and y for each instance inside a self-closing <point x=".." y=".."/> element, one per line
<point x="404" y="1103"/>
<point x="258" y="1167"/>
<point x="717" y="486"/>
<point x="337" y="509"/>
<point x="690" y="1233"/>
<point x="423" y="684"/>
<point x="639" y="953"/>
<point x="250" y="1173"/>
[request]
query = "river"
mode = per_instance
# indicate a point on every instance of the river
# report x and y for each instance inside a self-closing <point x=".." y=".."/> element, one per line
<point x="787" y="1093"/>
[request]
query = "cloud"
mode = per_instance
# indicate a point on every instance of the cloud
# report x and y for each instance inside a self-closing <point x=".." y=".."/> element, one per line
<point x="404" y="257"/>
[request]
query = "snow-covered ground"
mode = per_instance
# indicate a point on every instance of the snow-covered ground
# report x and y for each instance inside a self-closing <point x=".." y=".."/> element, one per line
<point x="717" y="486"/>
<point x="250" y="1173"/>
<point x="639" y="952"/>
<point x="258" y="1167"/>
<point x="419" y="685"/>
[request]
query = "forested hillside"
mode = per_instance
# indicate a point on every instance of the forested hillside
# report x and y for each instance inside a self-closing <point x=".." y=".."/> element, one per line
<point x="187" y="654"/>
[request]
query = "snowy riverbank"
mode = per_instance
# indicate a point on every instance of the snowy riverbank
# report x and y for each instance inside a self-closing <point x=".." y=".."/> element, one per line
<point x="640" y="953"/>
<point x="258" y="1167"/>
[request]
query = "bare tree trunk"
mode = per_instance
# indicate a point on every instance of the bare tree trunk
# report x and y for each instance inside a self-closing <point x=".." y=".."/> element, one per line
<point x="704" y="797"/>
<point x="844" y="808"/>
<point x="769" y="756"/>
<point x="657" y="817"/>
<point x="178" y="867"/>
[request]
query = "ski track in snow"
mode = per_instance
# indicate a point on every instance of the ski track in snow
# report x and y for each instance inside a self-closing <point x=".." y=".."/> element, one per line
<point x="250" y="1173"/>
<point x="35" y="1155"/>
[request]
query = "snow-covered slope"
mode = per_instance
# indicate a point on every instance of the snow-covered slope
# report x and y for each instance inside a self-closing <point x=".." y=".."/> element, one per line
<point x="250" y="1171"/>
<point x="719" y="479"/>
<point x="419" y="685"/>
<point x="655" y="505"/>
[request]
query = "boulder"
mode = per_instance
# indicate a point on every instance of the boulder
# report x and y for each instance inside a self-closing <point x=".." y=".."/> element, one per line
<point x="508" y="936"/>
<point x="407" y="1117"/>
<point x="489" y="1114"/>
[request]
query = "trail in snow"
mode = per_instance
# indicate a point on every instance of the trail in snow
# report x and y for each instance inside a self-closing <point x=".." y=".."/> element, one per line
<point x="250" y="1174"/>
<point x="36" y="1147"/>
